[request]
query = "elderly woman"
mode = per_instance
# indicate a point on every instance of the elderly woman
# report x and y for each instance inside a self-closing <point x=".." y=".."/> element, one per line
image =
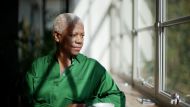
<point x="66" y="77"/>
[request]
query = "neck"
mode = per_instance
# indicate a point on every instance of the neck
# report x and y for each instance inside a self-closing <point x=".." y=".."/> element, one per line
<point x="64" y="60"/>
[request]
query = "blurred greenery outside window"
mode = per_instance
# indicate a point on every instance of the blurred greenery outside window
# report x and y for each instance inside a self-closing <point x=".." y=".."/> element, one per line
<point x="178" y="60"/>
<point x="177" y="50"/>
<point x="177" y="8"/>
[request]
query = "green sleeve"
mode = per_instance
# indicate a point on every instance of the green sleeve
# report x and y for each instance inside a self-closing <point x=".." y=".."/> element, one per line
<point x="108" y="92"/>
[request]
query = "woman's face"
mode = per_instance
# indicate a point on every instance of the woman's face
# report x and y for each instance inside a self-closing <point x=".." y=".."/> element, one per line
<point x="71" y="41"/>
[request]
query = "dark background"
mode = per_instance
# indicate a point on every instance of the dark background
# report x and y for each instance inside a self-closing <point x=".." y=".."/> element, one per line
<point x="8" y="53"/>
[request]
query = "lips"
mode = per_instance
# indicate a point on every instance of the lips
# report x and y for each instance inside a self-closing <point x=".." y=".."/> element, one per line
<point x="77" y="48"/>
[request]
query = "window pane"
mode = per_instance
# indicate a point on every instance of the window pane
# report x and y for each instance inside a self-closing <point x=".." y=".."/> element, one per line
<point x="178" y="60"/>
<point x="126" y="55"/>
<point x="177" y="8"/>
<point x="146" y="56"/>
<point x="126" y="38"/>
<point x="146" y="13"/>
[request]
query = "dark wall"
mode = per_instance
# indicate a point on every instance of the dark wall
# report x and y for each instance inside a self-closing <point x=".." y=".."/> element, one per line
<point x="8" y="53"/>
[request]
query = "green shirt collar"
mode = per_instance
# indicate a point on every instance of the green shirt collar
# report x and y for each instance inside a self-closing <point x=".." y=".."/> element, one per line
<point x="78" y="58"/>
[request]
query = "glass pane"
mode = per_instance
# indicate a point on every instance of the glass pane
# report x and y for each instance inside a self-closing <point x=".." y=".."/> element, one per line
<point x="178" y="60"/>
<point x="146" y="13"/>
<point x="146" y="56"/>
<point x="126" y="55"/>
<point x="126" y="38"/>
<point x="177" y="8"/>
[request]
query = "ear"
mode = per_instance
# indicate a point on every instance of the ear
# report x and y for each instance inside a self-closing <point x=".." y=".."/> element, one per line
<point x="56" y="36"/>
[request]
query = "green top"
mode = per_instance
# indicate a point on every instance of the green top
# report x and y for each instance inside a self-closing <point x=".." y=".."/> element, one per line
<point x="85" y="81"/>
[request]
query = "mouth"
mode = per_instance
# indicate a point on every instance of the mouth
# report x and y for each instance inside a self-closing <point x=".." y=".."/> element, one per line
<point x="77" y="48"/>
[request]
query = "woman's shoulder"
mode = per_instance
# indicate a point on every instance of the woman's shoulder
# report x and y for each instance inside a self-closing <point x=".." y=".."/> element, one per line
<point x="83" y="57"/>
<point x="43" y="59"/>
<point x="40" y="64"/>
<point x="91" y="61"/>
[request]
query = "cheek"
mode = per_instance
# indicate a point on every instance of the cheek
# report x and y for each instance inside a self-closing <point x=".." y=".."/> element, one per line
<point x="72" y="39"/>
<point x="66" y="41"/>
<point x="63" y="44"/>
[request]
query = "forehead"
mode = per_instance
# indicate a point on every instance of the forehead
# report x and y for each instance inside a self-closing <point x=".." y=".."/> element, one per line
<point x="78" y="25"/>
<point x="75" y="26"/>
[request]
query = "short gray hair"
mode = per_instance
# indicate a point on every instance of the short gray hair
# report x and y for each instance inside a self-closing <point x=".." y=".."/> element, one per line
<point x="64" y="20"/>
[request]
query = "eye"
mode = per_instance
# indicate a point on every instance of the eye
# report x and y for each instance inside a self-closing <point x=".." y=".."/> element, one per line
<point x="72" y="35"/>
<point x="82" y="35"/>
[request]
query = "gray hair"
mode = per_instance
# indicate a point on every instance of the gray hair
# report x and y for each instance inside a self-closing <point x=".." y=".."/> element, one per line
<point x="65" y="20"/>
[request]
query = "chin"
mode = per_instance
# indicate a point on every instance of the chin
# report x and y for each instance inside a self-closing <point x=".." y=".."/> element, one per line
<point x="75" y="53"/>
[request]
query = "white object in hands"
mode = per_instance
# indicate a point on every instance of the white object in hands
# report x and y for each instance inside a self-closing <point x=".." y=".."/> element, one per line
<point x="103" y="105"/>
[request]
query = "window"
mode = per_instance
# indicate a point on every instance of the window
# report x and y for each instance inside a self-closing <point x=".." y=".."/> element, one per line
<point x="162" y="48"/>
<point x="126" y="38"/>
<point x="146" y="45"/>
<point x="177" y="43"/>
<point x="178" y="60"/>
<point x="146" y="13"/>
<point x="177" y="8"/>
<point x="146" y="56"/>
